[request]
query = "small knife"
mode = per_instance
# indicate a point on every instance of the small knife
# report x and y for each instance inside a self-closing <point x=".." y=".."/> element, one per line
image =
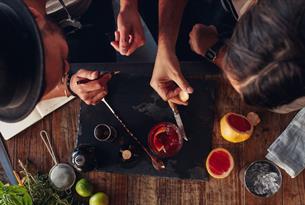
<point x="178" y="120"/>
<point x="6" y="163"/>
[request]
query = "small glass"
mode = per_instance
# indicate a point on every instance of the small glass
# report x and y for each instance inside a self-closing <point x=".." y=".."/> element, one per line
<point x="261" y="178"/>
<point x="105" y="133"/>
<point x="165" y="140"/>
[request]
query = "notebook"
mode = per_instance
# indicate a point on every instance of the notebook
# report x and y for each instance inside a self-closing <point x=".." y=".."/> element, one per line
<point x="43" y="108"/>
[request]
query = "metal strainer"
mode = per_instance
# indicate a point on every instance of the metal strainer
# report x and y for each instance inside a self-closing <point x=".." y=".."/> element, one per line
<point x="62" y="176"/>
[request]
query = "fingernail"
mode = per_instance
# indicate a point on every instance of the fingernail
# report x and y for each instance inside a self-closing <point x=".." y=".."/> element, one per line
<point x="189" y="90"/>
<point x="94" y="74"/>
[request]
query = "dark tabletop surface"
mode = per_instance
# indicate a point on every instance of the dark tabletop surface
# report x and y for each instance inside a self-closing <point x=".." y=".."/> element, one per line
<point x="138" y="190"/>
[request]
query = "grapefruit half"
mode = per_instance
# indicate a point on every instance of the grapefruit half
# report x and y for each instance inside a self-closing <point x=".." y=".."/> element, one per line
<point x="219" y="163"/>
<point x="238" y="128"/>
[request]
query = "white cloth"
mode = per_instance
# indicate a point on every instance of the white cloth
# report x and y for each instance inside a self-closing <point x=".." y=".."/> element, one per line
<point x="76" y="8"/>
<point x="288" y="150"/>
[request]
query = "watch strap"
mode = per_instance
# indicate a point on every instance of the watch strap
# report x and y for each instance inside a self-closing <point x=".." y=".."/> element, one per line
<point x="68" y="84"/>
<point x="211" y="53"/>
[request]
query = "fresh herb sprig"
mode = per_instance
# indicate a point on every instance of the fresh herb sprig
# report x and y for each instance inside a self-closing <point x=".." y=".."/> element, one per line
<point x="41" y="190"/>
<point x="14" y="195"/>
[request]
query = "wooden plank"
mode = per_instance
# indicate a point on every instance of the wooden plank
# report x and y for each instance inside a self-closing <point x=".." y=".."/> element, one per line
<point x="115" y="185"/>
<point x="229" y="190"/>
<point x="143" y="190"/>
<point x="294" y="189"/>
<point x="192" y="192"/>
<point x="61" y="127"/>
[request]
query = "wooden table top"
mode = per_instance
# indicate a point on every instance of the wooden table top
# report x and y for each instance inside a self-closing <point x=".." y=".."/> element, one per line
<point x="144" y="190"/>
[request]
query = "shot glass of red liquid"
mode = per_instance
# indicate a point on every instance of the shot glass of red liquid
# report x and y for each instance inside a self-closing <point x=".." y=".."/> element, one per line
<point x="165" y="140"/>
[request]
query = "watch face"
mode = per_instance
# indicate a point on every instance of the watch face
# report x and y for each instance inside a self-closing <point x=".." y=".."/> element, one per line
<point x="210" y="55"/>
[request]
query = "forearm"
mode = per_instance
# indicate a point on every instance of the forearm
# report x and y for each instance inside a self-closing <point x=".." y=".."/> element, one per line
<point x="170" y="15"/>
<point x="219" y="61"/>
<point x="58" y="91"/>
<point x="128" y="3"/>
<point x="39" y="5"/>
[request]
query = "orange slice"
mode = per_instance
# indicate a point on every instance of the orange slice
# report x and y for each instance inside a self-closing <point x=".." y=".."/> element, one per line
<point x="157" y="142"/>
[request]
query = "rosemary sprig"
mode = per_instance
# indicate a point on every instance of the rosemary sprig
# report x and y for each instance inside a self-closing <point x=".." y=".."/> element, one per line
<point x="41" y="190"/>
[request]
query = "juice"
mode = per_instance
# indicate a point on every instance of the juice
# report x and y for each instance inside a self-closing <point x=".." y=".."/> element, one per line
<point x="165" y="140"/>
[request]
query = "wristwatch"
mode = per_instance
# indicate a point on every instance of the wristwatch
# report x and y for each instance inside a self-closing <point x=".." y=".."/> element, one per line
<point x="68" y="84"/>
<point x="211" y="53"/>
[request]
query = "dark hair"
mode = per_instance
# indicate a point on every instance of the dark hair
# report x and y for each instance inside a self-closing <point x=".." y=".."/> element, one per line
<point x="266" y="54"/>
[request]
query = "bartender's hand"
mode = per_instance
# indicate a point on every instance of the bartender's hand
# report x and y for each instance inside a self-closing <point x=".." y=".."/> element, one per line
<point x="202" y="38"/>
<point x="93" y="91"/>
<point x="129" y="35"/>
<point x="167" y="79"/>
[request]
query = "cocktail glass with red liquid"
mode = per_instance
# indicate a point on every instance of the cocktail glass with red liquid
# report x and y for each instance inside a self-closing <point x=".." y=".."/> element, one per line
<point x="165" y="140"/>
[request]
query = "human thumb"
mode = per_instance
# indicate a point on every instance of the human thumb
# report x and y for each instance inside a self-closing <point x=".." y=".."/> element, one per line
<point x="183" y="84"/>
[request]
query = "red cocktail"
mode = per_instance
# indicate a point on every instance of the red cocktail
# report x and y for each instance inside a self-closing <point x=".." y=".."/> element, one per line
<point x="165" y="140"/>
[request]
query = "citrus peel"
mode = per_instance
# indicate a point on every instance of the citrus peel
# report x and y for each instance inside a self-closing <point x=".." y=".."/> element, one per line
<point x="238" y="128"/>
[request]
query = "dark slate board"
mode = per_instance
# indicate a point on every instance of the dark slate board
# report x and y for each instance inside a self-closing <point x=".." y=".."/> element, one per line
<point x="141" y="108"/>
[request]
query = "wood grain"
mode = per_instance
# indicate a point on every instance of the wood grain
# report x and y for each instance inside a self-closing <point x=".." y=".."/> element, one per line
<point x="140" y="190"/>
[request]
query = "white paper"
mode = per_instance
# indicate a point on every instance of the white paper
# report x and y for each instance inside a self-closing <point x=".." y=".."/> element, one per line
<point x="43" y="108"/>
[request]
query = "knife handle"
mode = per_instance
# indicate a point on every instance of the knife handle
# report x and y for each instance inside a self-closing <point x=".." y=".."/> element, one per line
<point x="173" y="106"/>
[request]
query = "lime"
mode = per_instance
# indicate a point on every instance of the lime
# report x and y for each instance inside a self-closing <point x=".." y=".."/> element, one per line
<point x="84" y="188"/>
<point x="99" y="198"/>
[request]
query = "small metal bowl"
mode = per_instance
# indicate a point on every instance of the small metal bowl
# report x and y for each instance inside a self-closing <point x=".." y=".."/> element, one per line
<point x="262" y="178"/>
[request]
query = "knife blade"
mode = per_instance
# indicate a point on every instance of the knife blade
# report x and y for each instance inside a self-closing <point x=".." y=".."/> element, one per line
<point x="178" y="120"/>
<point x="6" y="163"/>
